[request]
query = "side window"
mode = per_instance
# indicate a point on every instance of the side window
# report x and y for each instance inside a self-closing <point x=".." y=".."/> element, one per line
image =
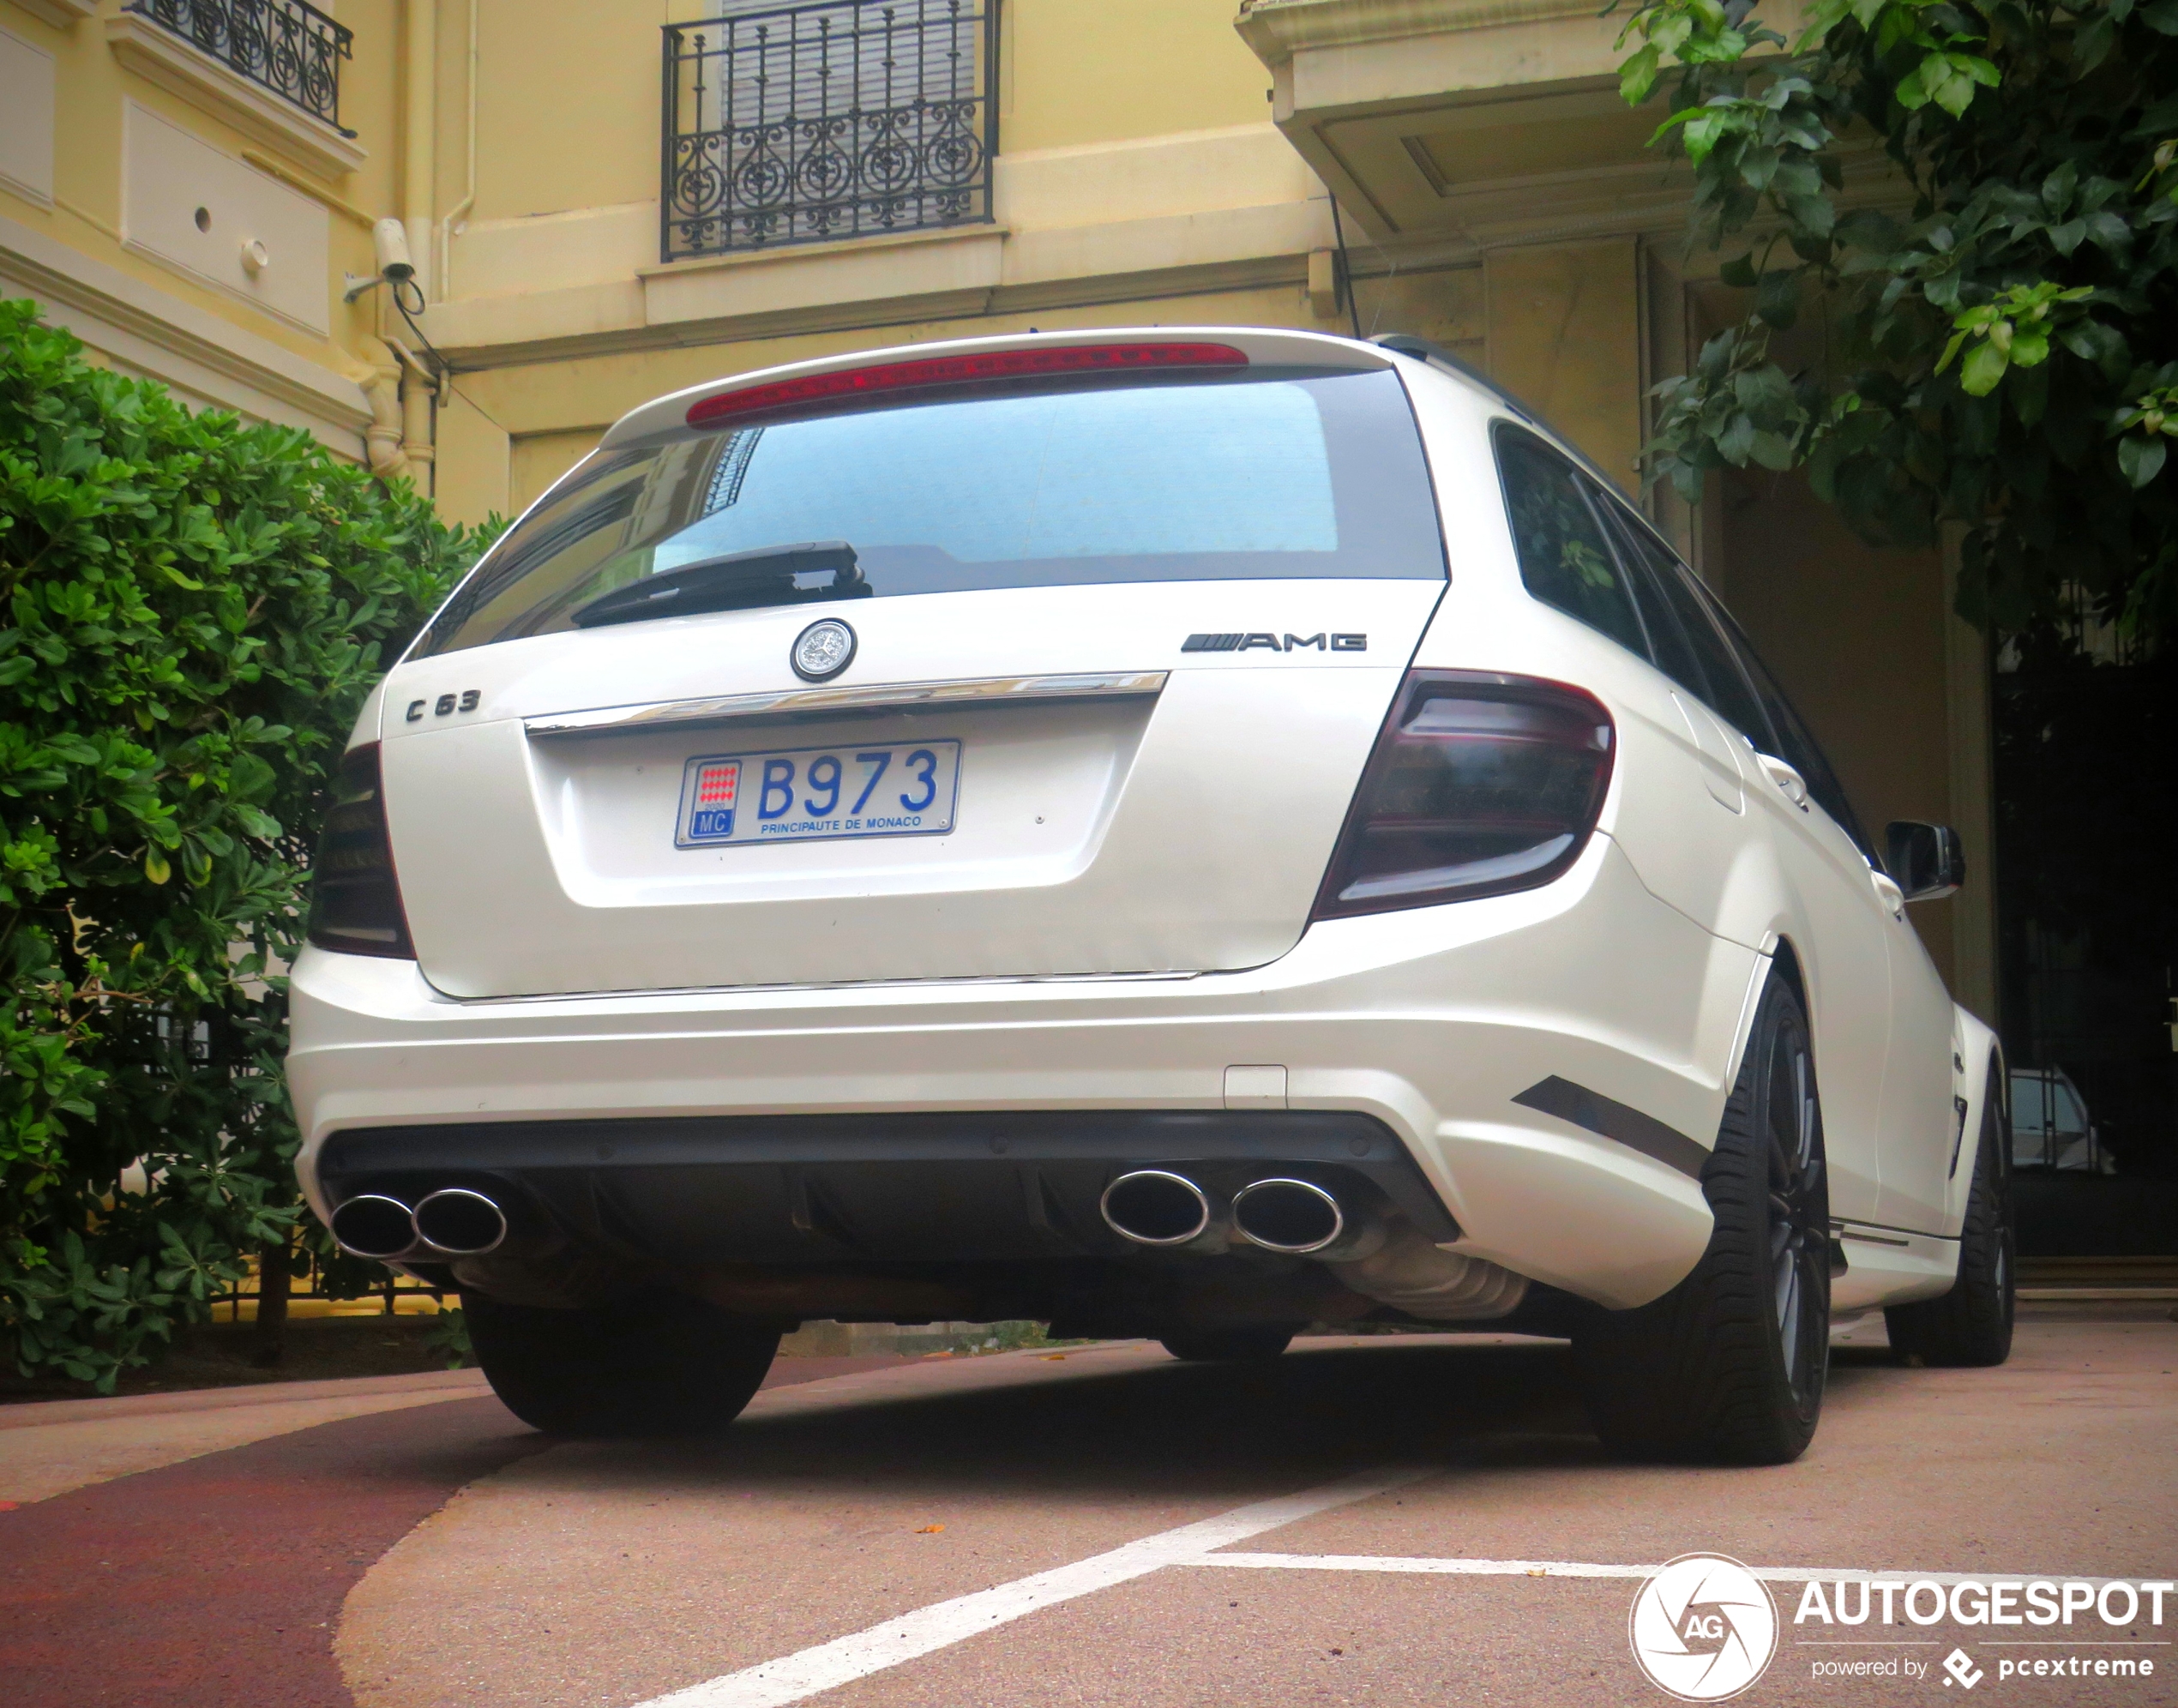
<point x="1719" y="681"/>
<point x="1565" y="559"/>
<point x="1799" y="748"/>
<point x="1649" y="567"/>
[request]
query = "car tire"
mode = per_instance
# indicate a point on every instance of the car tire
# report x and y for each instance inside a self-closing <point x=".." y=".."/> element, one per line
<point x="660" y="1364"/>
<point x="1728" y="1366"/>
<point x="1228" y="1345"/>
<point x="1971" y="1324"/>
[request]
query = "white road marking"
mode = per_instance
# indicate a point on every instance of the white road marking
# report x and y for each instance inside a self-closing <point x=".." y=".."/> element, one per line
<point x="1583" y="1568"/>
<point x="940" y="1625"/>
<point x="925" y="1630"/>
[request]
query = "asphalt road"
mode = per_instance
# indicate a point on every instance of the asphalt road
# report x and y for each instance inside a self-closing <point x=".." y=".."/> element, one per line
<point x="1381" y="1522"/>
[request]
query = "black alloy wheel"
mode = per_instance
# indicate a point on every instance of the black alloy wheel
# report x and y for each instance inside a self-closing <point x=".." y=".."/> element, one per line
<point x="1799" y="1222"/>
<point x="1728" y="1366"/>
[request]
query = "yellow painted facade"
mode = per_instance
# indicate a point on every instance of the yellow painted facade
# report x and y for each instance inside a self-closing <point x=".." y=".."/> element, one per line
<point x="1158" y="161"/>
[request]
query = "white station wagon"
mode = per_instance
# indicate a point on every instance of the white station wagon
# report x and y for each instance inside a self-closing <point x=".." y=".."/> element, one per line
<point x="1189" y="834"/>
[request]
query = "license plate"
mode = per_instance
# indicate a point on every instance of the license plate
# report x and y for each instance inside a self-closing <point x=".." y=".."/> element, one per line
<point x="819" y="794"/>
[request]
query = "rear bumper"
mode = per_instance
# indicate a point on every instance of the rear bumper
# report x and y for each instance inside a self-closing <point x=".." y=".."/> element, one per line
<point x="1424" y="1027"/>
<point x="992" y="1186"/>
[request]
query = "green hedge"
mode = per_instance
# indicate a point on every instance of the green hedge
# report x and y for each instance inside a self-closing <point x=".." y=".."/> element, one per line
<point x="195" y="610"/>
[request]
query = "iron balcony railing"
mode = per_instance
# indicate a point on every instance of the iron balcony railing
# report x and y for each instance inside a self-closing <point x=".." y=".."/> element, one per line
<point x="839" y="118"/>
<point x="286" y="46"/>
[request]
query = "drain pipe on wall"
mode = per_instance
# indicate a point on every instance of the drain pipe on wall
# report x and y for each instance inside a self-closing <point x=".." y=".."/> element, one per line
<point x="419" y="121"/>
<point x="382" y="439"/>
<point x="419" y="394"/>
<point x="442" y="277"/>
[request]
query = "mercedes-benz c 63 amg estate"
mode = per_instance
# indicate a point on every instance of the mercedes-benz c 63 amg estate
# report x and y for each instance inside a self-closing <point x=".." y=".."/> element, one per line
<point x="1189" y="834"/>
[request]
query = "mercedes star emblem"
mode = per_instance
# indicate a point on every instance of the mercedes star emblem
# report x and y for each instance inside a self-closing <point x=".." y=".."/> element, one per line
<point x="822" y="650"/>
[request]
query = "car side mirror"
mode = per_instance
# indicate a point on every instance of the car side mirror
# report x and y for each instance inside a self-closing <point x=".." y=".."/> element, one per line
<point x="1926" y="860"/>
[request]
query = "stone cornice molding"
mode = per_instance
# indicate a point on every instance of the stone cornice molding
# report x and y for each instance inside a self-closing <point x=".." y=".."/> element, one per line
<point x="62" y="14"/>
<point x="1278" y="29"/>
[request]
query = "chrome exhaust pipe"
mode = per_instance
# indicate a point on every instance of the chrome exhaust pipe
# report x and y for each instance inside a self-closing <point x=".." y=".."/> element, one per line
<point x="1155" y="1207"/>
<point x="1295" y="1217"/>
<point x="371" y="1224"/>
<point x="460" y="1222"/>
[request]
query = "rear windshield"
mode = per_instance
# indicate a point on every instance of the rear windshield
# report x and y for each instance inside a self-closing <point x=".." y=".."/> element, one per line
<point x="1289" y="475"/>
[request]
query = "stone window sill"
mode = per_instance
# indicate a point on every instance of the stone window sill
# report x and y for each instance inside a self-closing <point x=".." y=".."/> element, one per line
<point x="175" y="65"/>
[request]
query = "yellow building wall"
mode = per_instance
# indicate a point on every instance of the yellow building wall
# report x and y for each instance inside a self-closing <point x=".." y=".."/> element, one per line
<point x="557" y="411"/>
<point x="1564" y="336"/>
<point x="1856" y="636"/>
<point x="1086" y="71"/>
<point x="567" y="105"/>
<point x="87" y="214"/>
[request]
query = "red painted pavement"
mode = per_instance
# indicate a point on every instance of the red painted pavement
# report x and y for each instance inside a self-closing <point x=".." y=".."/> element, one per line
<point x="216" y="1583"/>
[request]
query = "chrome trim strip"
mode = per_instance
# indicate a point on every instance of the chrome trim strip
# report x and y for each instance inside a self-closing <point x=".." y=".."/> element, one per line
<point x="817" y="702"/>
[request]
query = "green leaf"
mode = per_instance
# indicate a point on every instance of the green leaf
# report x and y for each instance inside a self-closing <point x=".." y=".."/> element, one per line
<point x="2092" y="341"/>
<point x="1703" y="133"/>
<point x="155" y="866"/>
<point x="2057" y="189"/>
<point x="179" y="580"/>
<point x="2108" y="231"/>
<point x="1773" y="450"/>
<point x="1984" y="368"/>
<point x="1813" y="214"/>
<point x="2140" y="459"/>
<point x="1637" y="77"/>
<point x="1738" y="273"/>
<point x="1777" y="299"/>
<point x="2162" y="18"/>
<point x="1736" y="444"/>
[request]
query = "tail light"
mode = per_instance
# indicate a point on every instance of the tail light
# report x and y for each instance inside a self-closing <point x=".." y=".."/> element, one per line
<point x="355" y="895"/>
<point x="1479" y="785"/>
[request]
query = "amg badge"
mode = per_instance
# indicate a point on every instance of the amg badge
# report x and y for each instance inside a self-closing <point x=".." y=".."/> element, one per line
<point x="1274" y="643"/>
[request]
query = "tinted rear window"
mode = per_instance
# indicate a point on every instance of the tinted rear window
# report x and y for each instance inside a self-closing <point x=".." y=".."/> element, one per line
<point x="1286" y="476"/>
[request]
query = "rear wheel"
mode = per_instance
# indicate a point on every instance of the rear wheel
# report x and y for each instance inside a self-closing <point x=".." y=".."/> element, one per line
<point x="660" y="1364"/>
<point x="1728" y="1366"/>
<point x="1227" y="1346"/>
<point x="1972" y="1323"/>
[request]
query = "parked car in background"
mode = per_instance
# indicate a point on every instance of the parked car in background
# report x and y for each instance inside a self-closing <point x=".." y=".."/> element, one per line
<point x="2050" y="1126"/>
<point x="1176" y="833"/>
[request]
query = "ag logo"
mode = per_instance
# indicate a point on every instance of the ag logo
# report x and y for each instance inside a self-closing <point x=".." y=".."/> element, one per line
<point x="1702" y="1627"/>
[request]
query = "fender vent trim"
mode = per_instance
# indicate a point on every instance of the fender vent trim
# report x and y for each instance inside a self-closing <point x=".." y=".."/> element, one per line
<point x="1620" y="1122"/>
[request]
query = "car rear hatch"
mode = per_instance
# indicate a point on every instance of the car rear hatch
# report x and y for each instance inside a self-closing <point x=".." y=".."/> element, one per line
<point x="1115" y="646"/>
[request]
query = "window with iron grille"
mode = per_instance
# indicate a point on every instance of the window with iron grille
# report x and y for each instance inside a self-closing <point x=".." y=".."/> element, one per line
<point x="286" y="46"/>
<point x="838" y="118"/>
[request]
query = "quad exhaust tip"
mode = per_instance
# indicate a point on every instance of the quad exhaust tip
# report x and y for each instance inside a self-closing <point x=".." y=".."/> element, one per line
<point x="453" y="1221"/>
<point x="1155" y="1207"/>
<point x="460" y="1222"/>
<point x="1295" y="1217"/>
<point x="371" y="1224"/>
